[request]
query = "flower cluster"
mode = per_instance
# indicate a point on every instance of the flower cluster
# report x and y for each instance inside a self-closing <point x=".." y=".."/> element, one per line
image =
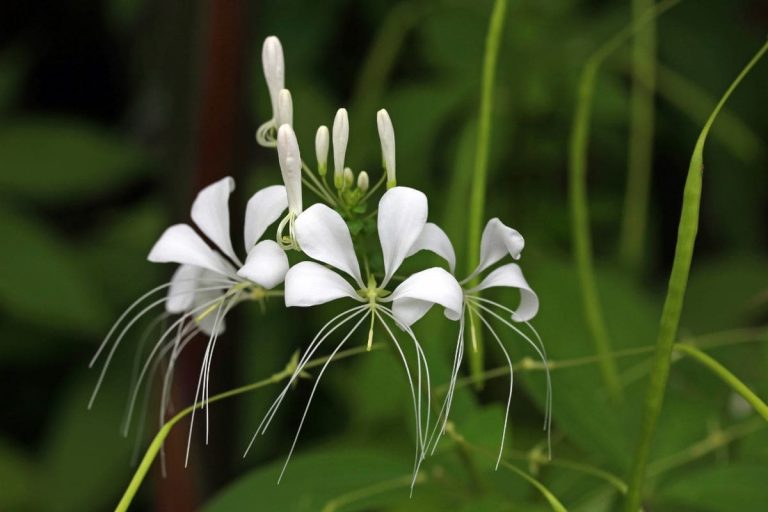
<point x="329" y="240"/>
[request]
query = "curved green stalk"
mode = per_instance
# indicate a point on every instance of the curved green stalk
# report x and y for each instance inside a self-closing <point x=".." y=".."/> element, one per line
<point x="162" y="434"/>
<point x="726" y="376"/>
<point x="480" y="170"/>
<point x="577" y="170"/>
<point x="673" y="304"/>
<point x="640" y="150"/>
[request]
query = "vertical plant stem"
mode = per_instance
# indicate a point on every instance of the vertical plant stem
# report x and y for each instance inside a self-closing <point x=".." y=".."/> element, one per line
<point x="640" y="154"/>
<point x="726" y="376"/>
<point x="480" y="169"/>
<point x="673" y="304"/>
<point x="577" y="176"/>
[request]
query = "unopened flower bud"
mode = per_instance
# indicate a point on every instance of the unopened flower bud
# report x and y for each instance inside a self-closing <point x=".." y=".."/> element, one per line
<point x="321" y="149"/>
<point x="284" y="114"/>
<point x="363" y="181"/>
<point x="290" y="166"/>
<point x="274" y="69"/>
<point x="349" y="177"/>
<point x="387" y="138"/>
<point x="340" y="139"/>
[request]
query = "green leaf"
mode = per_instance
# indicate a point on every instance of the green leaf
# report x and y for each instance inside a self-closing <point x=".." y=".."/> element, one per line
<point x="87" y="461"/>
<point x="16" y="474"/>
<point x="43" y="281"/>
<point x="60" y="161"/>
<point x="312" y="480"/>
<point x="732" y="488"/>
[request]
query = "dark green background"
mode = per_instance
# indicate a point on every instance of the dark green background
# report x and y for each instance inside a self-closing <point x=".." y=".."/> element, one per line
<point x="112" y="115"/>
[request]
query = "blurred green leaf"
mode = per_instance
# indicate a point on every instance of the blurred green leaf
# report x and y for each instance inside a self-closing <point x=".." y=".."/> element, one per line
<point x="730" y="488"/>
<point x="43" y="281"/>
<point x="59" y="161"/>
<point x="86" y="461"/>
<point x="17" y="477"/>
<point x="313" y="479"/>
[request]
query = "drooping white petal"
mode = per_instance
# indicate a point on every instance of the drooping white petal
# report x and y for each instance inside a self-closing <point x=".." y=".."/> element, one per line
<point x="180" y="244"/>
<point x="290" y="166"/>
<point x="208" y="306"/>
<point x="263" y="208"/>
<point x="414" y="296"/>
<point x="321" y="149"/>
<point x="274" y="69"/>
<point x="323" y="235"/>
<point x="340" y="140"/>
<point x="387" y="138"/>
<point x="284" y="114"/>
<point x="498" y="240"/>
<point x="210" y="211"/>
<point x="181" y="293"/>
<point x="309" y="284"/>
<point x="402" y="216"/>
<point x="266" y="264"/>
<point x="511" y="276"/>
<point x="433" y="238"/>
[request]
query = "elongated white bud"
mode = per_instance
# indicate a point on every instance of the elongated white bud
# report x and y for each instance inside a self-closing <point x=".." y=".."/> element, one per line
<point x="363" y="182"/>
<point x="340" y="139"/>
<point x="284" y="114"/>
<point x="387" y="138"/>
<point x="321" y="149"/>
<point x="274" y="69"/>
<point x="290" y="166"/>
<point x="349" y="177"/>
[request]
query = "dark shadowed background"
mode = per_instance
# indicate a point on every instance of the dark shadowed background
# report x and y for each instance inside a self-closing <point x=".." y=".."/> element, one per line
<point x="114" y="113"/>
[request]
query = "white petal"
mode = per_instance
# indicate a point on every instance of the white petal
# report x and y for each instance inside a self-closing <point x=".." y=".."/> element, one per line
<point x="263" y="208"/>
<point x="290" y="166"/>
<point x="274" y="69"/>
<point x="498" y="240"/>
<point x="181" y="293"/>
<point x="321" y="149"/>
<point x="206" y="301"/>
<point x="511" y="276"/>
<point x="323" y="235"/>
<point x="387" y="138"/>
<point x="210" y="211"/>
<point x="413" y="298"/>
<point x="433" y="238"/>
<point x="180" y="244"/>
<point x="402" y="215"/>
<point x="266" y="264"/>
<point x="309" y="283"/>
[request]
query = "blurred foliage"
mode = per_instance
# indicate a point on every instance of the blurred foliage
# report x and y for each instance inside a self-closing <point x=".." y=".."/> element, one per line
<point x="93" y="165"/>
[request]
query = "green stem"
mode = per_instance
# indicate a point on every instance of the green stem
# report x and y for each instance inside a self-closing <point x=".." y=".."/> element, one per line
<point x="640" y="151"/>
<point x="162" y="434"/>
<point x="726" y="376"/>
<point x="577" y="169"/>
<point x="673" y="304"/>
<point x="480" y="171"/>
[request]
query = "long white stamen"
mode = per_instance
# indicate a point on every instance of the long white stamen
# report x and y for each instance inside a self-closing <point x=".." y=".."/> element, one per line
<point x="314" y="389"/>
<point x="511" y="387"/>
<point x="313" y="346"/>
<point x="548" y="408"/>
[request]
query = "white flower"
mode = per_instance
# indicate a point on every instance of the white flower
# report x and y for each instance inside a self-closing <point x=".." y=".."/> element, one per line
<point x="323" y="235"/>
<point x="273" y="63"/>
<point x="208" y="281"/>
<point x="498" y="241"/>
<point x="387" y="138"/>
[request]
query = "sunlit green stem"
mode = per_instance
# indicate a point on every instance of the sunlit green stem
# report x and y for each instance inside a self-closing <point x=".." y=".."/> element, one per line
<point x="480" y="170"/>
<point x="162" y="434"/>
<point x="726" y="376"/>
<point x="640" y="148"/>
<point x="673" y="304"/>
